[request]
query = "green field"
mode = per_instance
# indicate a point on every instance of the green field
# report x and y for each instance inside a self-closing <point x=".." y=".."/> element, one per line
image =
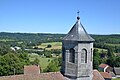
<point x="55" y="45"/>
<point x="43" y="61"/>
<point x="6" y="40"/>
<point x="116" y="79"/>
<point x="113" y="44"/>
<point x="100" y="50"/>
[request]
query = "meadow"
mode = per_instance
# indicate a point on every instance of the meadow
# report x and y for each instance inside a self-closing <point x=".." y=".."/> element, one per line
<point x="116" y="79"/>
<point x="54" y="45"/>
<point x="43" y="60"/>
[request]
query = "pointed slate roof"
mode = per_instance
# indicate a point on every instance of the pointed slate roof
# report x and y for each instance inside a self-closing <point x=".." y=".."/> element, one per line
<point x="78" y="33"/>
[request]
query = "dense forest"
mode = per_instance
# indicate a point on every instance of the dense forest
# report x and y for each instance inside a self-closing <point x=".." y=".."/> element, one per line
<point x="106" y="50"/>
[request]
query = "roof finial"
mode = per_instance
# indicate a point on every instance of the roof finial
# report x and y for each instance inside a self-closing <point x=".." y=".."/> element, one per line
<point x="78" y="15"/>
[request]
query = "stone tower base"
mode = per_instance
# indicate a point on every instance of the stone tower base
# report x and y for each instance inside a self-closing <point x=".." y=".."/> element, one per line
<point x="82" y="78"/>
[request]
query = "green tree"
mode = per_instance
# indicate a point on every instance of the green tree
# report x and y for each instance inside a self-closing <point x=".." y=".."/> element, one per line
<point x="4" y="49"/>
<point x="117" y="62"/>
<point x="111" y="61"/>
<point x="24" y="58"/>
<point x="11" y="63"/>
<point x="110" y="52"/>
<point x="96" y="59"/>
<point x="36" y="61"/>
<point x="96" y="62"/>
<point x="53" y="66"/>
<point x="111" y="58"/>
<point x="47" y="54"/>
<point x="49" y="46"/>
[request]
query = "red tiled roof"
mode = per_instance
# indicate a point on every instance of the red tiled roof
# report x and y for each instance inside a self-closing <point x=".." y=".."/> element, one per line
<point x="41" y="76"/>
<point x="31" y="69"/>
<point x="97" y="75"/>
<point x="106" y="75"/>
<point x="52" y="76"/>
<point x="103" y="65"/>
<point x="46" y="76"/>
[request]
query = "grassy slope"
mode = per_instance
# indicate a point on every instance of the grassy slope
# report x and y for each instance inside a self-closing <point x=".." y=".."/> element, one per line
<point x="113" y="44"/>
<point x="100" y="50"/>
<point x="43" y="61"/>
<point x="6" y="40"/>
<point x="116" y="79"/>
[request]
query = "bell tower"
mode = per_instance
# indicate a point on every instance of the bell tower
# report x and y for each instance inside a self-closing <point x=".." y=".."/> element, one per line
<point x="77" y="53"/>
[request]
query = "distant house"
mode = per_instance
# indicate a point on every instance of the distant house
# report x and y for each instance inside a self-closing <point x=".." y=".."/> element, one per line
<point x="106" y="75"/>
<point x="12" y="48"/>
<point x="15" y="48"/>
<point x="31" y="69"/>
<point x="106" y="71"/>
<point x="109" y="69"/>
<point x="103" y="67"/>
<point x="117" y="72"/>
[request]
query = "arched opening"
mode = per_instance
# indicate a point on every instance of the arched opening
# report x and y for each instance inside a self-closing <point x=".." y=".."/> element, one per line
<point x="91" y="53"/>
<point x="72" y="55"/>
<point x="84" y="56"/>
<point x="63" y="53"/>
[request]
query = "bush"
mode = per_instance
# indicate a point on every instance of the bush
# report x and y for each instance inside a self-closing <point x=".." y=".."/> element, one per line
<point x="49" y="46"/>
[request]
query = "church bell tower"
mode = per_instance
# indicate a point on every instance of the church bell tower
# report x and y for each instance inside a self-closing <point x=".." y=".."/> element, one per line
<point x="77" y="53"/>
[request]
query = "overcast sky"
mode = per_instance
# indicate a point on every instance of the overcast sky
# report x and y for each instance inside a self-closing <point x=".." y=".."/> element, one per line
<point x="58" y="16"/>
